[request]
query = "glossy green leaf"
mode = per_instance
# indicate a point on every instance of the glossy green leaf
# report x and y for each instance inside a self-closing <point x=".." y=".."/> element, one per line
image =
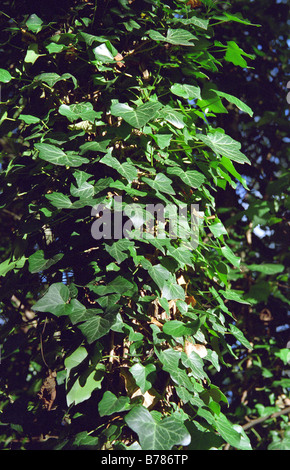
<point x="192" y="178"/>
<point x="233" y="434"/>
<point x="59" y="200"/>
<point x="224" y="145"/>
<point x="82" y="111"/>
<point x="136" y="117"/>
<point x="235" y="54"/>
<point x="5" y="76"/>
<point x="157" y="435"/>
<point x="55" y="300"/>
<point x="141" y="375"/>
<point x="188" y="92"/>
<point x="232" y="99"/>
<point x="177" y="37"/>
<point x="34" y="23"/>
<point x="55" y="155"/>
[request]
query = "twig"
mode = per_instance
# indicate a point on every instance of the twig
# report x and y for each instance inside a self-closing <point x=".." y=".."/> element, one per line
<point x="264" y="418"/>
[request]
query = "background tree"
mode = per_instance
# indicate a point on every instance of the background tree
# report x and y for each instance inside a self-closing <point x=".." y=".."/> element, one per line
<point x="139" y="343"/>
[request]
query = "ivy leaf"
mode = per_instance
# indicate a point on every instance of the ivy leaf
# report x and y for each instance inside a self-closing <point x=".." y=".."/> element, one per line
<point x="234" y="295"/>
<point x="34" y="24"/>
<point x="218" y="229"/>
<point x="195" y="363"/>
<point x="38" y="263"/>
<point x="118" y="249"/>
<point x="160" y="183"/>
<point x="224" y="145"/>
<point x="170" y="363"/>
<point x="239" y="335"/>
<point x="232" y="99"/>
<point x="192" y="178"/>
<point x="141" y="373"/>
<point x="55" y="300"/>
<point x="105" y="53"/>
<point x="51" y="78"/>
<point x="266" y="268"/>
<point x="136" y="117"/>
<point x="97" y="326"/>
<point x="233" y="434"/>
<point x="59" y="200"/>
<point x="167" y="113"/>
<point x="110" y="404"/>
<point x="84" y="111"/>
<point x="188" y="92"/>
<point x="178" y="329"/>
<point x="29" y="119"/>
<point x="228" y="253"/>
<point x="157" y="435"/>
<point x="5" y="76"/>
<point x="9" y="265"/>
<point x="55" y="155"/>
<point x="177" y="37"/>
<point x="126" y="169"/>
<point x="119" y="285"/>
<point x="234" y="54"/>
<point x="83" y="387"/>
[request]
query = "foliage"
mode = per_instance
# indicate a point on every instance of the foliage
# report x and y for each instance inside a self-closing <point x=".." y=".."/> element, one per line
<point x="117" y="342"/>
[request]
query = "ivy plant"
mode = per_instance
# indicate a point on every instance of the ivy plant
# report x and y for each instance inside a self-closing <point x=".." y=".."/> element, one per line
<point x="116" y="278"/>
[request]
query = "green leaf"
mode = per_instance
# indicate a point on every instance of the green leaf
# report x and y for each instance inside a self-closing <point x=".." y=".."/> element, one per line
<point x="28" y="119"/>
<point x="283" y="444"/>
<point x="59" y="200"/>
<point x="38" y="263"/>
<point x="195" y="363"/>
<point x="51" y="78"/>
<point x="234" y="54"/>
<point x="177" y="328"/>
<point x="167" y="113"/>
<point x="119" y="249"/>
<point x="136" y="117"/>
<point x="200" y="22"/>
<point x="86" y="382"/>
<point x="110" y="404"/>
<point x="34" y="23"/>
<point x="218" y="229"/>
<point x="9" y="265"/>
<point x="126" y="169"/>
<point x="105" y="53"/>
<point x="170" y="363"/>
<point x="54" y="300"/>
<point x="188" y="92"/>
<point x="224" y="145"/>
<point x="177" y="37"/>
<point x="157" y="435"/>
<point x="5" y="76"/>
<point x="97" y="326"/>
<point x="232" y="99"/>
<point x="234" y="295"/>
<point x="266" y="268"/>
<point x="141" y="373"/>
<point x="119" y="285"/>
<point x="239" y="335"/>
<point x="84" y="111"/>
<point x="233" y="434"/>
<point x="192" y="178"/>
<point x="229" y="255"/>
<point x="55" y="155"/>
<point x="160" y="183"/>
